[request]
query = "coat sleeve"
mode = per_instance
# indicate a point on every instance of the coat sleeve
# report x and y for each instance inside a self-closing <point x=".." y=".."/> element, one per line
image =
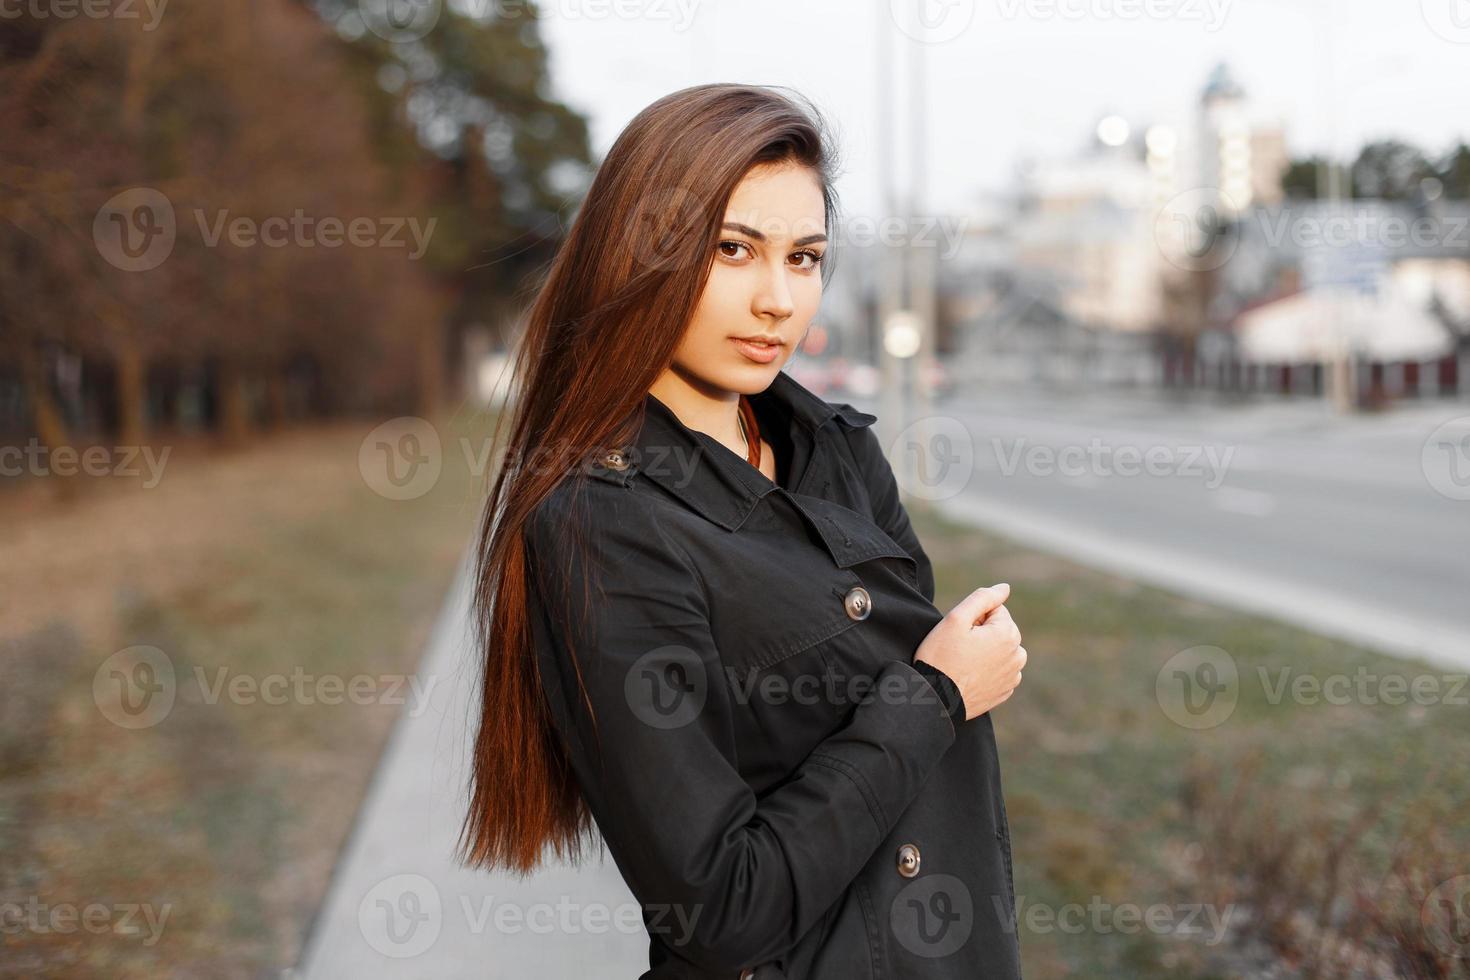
<point x="736" y="879"/>
<point x="888" y="509"/>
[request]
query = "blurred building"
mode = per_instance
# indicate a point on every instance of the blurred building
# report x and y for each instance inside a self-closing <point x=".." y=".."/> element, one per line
<point x="1241" y="158"/>
<point x="1385" y="283"/>
<point x="1166" y="251"/>
<point x="1085" y="225"/>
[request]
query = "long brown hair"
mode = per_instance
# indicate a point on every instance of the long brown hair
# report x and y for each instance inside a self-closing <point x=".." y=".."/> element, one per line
<point x="616" y="301"/>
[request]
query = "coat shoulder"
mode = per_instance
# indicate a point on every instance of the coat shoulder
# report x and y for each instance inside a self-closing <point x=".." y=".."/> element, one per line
<point x="851" y="416"/>
<point x="864" y="443"/>
<point x="613" y="518"/>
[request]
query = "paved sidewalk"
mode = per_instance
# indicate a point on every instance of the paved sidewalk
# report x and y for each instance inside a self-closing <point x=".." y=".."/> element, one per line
<point x="400" y="906"/>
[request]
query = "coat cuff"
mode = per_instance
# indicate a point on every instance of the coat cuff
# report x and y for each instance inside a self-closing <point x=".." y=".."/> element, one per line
<point x="948" y="690"/>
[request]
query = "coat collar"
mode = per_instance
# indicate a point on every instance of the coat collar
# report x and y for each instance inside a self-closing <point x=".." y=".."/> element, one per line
<point x="703" y="472"/>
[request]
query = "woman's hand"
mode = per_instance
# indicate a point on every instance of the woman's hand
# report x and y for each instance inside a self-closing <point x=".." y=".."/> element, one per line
<point x="979" y="646"/>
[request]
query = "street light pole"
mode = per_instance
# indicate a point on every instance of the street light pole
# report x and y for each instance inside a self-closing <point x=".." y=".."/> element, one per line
<point x="1345" y="368"/>
<point x="905" y="315"/>
<point x="921" y="256"/>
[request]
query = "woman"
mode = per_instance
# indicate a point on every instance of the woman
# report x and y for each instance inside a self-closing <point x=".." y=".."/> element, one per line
<point x="708" y="624"/>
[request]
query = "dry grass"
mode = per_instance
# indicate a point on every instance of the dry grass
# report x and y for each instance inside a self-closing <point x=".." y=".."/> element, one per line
<point x="75" y="560"/>
<point x="224" y="816"/>
<point x="1301" y="826"/>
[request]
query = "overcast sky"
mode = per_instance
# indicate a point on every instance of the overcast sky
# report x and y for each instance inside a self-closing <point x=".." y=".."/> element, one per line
<point x="1013" y="76"/>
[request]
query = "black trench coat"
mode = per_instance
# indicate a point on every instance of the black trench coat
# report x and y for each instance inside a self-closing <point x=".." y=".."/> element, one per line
<point x="781" y="790"/>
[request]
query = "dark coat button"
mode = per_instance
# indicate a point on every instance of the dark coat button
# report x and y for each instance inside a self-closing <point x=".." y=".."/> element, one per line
<point x="908" y="860"/>
<point x="614" y="460"/>
<point x="858" y="602"/>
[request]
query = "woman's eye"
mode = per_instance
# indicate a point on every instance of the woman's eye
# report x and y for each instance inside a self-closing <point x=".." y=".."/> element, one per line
<point x="731" y="250"/>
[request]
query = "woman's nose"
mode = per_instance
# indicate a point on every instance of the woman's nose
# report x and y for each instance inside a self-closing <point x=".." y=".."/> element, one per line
<point x="774" y="296"/>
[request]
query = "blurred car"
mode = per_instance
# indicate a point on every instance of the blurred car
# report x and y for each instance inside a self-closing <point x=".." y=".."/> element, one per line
<point x="862" y="380"/>
<point x="841" y="378"/>
<point x="938" y="378"/>
<point x="814" y="375"/>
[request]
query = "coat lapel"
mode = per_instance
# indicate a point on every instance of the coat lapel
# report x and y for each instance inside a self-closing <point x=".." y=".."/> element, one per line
<point x="705" y="475"/>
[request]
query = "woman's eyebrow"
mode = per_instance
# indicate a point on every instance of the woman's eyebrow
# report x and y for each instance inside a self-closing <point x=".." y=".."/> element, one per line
<point x="747" y="230"/>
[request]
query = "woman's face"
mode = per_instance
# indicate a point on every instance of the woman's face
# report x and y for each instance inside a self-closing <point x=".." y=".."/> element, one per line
<point x="764" y="281"/>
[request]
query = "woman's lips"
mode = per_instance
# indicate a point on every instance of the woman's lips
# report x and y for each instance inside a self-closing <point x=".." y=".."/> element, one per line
<point x="760" y="353"/>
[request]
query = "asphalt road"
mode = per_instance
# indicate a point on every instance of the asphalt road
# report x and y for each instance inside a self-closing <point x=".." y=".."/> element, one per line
<point x="1357" y="527"/>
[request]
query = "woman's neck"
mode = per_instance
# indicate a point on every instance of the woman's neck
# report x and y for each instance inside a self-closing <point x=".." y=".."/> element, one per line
<point x="714" y="412"/>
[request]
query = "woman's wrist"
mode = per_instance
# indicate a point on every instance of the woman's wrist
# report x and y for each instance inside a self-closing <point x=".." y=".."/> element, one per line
<point x="948" y="690"/>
